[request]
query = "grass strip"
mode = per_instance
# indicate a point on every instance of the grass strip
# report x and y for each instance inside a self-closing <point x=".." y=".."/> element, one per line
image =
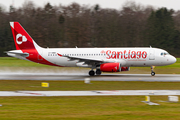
<point x="87" y="108"/>
<point x="15" y="85"/>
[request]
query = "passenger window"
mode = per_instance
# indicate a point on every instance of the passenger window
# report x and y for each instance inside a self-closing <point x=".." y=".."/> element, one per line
<point x="161" y="53"/>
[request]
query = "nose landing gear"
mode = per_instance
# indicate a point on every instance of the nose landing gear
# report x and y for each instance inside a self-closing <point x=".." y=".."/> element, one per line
<point x="152" y="70"/>
<point x="153" y="73"/>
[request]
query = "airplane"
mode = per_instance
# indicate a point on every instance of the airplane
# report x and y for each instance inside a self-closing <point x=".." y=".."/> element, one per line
<point x="100" y="59"/>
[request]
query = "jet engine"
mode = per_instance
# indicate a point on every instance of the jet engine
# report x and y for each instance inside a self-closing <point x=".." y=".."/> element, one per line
<point x="110" y="67"/>
<point x="113" y="67"/>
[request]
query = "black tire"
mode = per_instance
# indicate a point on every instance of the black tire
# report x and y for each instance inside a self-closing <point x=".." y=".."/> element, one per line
<point x="153" y="73"/>
<point x="91" y="73"/>
<point x="98" y="72"/>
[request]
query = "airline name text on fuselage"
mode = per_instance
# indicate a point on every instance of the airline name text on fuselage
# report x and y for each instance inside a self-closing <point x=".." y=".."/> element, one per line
<point x="126" y="54"/>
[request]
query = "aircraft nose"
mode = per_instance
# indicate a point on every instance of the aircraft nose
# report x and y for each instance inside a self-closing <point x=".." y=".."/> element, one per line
<point x="173" y="59"/>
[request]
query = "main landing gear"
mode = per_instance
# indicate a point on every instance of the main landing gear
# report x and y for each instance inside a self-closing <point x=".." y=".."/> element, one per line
<point x="92" y="73"/>
<point x="98" y="72"/>
<point x="152" y="71"/>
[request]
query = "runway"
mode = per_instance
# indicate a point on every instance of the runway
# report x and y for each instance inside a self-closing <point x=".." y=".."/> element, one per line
<point x="90" y="93"/>
<point x="103" y="77"/>
<point x="81" y="77"/>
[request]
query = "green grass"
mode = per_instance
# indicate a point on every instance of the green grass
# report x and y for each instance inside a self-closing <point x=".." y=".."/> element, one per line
<point x="87" y="107"/>
<point x="15" y="62"/>
<point x="14" y="85"/>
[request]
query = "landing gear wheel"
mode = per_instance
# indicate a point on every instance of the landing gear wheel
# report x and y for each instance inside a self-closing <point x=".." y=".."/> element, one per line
<point x="152" y="70"/>
<point x="153" y="73"/>
<point x="98" y="72"/>
<point x="91" y="73"/>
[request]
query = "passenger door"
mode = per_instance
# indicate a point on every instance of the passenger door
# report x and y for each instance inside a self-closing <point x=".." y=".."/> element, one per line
<point x="151" y="54"/>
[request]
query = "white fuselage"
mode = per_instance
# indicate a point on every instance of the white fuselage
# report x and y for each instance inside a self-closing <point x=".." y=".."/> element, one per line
<point x="126" y="56"/>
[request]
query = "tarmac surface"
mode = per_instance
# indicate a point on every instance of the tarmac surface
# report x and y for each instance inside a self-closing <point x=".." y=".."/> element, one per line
<point x="90" y="93"/>
<point x="103" y="77"/>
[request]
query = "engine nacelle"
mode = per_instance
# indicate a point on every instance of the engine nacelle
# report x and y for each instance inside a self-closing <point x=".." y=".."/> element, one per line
<point x="110" y="67"/>
<point x="125" y="68"/>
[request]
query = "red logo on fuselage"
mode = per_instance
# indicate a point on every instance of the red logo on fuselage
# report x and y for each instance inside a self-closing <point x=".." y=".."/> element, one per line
<point x="126" y="54"/>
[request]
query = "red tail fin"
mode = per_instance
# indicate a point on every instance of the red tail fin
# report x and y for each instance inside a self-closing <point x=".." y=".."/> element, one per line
<point x="21" y="38"/>
<point x="26" y="47"/>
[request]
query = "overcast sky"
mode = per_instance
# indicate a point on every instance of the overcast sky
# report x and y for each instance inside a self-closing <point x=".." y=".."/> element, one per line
<point x="117" y="4"/>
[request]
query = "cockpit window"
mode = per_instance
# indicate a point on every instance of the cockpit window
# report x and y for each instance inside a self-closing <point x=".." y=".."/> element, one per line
<point x="165" y="53"/>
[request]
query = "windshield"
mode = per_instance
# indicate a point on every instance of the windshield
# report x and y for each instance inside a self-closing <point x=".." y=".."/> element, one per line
<point x="164" y="53"/>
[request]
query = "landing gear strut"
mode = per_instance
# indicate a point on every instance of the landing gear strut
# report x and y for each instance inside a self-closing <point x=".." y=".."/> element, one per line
<point x="152" y="71"/>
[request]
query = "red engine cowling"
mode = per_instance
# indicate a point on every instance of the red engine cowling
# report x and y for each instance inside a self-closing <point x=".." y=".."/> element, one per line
<point x="125" y="68"/>
<point x="110" y="67"/>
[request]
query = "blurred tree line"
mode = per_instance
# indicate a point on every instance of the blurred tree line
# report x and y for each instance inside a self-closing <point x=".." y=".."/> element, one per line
<point x="60" y="26"/>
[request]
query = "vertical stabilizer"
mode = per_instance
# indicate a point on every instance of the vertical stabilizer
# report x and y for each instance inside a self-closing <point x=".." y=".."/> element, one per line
<point x="21" y="38"/>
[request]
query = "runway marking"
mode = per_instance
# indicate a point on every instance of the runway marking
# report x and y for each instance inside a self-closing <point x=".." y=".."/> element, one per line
<point x="90" y="93"/>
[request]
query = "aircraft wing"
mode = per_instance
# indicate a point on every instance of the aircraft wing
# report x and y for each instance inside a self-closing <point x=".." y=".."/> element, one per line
<point x="89" y="61"/>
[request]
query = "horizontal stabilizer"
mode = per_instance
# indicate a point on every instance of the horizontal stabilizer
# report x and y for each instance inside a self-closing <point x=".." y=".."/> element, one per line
<point x="17" y="53"/>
